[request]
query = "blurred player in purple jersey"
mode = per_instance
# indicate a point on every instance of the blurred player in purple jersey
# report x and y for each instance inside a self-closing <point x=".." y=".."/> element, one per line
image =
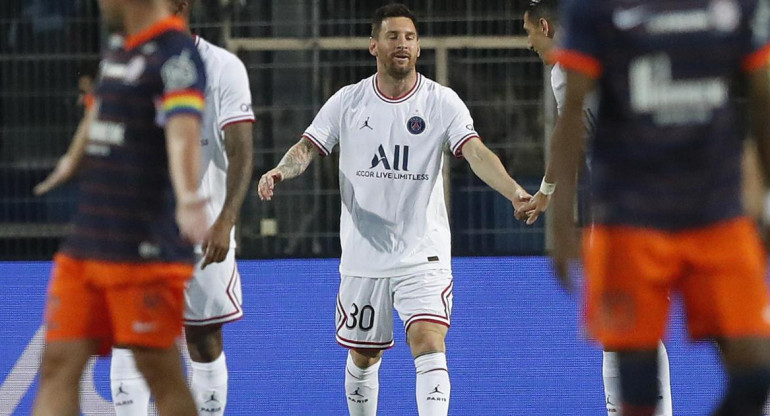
<point x="119" y="277"/>
<point x="666" y="182"/>
<point x="541" y="24"/>
<point x="213" y="295"/>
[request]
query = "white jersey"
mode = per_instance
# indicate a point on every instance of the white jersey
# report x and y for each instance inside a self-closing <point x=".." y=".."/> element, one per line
<point x="228" y="101"/>
<point x="394" y="219"/>
<point x="559" y="87"/>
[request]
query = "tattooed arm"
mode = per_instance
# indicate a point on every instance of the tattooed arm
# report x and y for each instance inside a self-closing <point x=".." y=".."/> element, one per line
<point x="293" y="163"/>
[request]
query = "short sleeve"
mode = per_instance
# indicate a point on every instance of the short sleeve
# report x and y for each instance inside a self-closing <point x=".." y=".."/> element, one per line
<point x="459" y="123"/>
<point x="235" y="95"/>
<point x="758" y="52"/>
<point x="184" y="81"/>
<point x="324" y="132"/>
<point x="579" y="48"/>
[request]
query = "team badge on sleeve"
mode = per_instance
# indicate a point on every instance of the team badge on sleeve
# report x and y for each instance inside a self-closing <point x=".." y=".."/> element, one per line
<point x="415" y="125"/>
<point x="179" y="72"/>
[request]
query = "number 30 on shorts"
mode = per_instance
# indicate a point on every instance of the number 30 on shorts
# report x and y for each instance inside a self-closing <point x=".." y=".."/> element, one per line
<point x="362" y="318"/>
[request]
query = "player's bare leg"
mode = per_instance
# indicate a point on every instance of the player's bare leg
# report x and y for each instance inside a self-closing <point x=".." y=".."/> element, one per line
<point x="162" y="368"/>
<point x="362" y="383"/>
<point x="60" y="372"/>
<point x="426" y="339"/>
<point x="747" y="361"/>
<point x="209" y="368"/>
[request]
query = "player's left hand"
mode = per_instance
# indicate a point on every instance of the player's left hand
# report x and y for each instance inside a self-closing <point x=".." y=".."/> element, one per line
<point x="565" y="251"/>
<point x="216" y="246"/>
<point x="536" y="206"/>
<point x="520" y="202"/>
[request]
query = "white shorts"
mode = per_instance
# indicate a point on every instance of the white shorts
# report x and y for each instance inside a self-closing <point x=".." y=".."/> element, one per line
<point x="213" y="295"/>
<point x="365" y="306"/>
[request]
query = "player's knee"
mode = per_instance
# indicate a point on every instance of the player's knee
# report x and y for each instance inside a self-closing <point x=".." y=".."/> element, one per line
<point x="62" y="363"/>
<point x="426" y="337"/>
<point x="52" y="365"/>
<point x="365" y="358"/>
<point x="204" y="343"/>
<point x="156" y="364"/>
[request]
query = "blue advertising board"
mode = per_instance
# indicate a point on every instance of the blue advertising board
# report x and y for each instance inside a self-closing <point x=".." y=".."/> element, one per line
<point x="515" y="346"/>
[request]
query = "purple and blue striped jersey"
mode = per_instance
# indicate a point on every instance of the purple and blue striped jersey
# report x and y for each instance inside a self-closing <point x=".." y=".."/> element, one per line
<point x="126" y="204"/>
<point x="668" y="144"/>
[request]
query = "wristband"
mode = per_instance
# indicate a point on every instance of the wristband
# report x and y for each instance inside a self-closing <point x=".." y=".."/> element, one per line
<point x="191" y="198"/>
<point x="547" y="188"/>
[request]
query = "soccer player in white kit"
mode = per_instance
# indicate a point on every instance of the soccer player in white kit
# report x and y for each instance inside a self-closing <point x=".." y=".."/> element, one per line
<point x="541" y="24"/>
<point x="213" y="295"/>
<point x="392" y="129"/>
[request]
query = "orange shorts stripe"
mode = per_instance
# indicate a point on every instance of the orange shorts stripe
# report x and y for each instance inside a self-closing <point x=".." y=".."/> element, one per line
<point x="140" y="304"/>
<point x="631" y="272"/>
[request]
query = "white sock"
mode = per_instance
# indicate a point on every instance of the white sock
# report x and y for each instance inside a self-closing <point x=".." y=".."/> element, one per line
<point x="209" y="386"/>
<point x="432" y="387"/>
<point x="362" y="388"/>
<point x="664" y="383"/>
<point x="130" y="393"/>
<point x="611" y="376"/>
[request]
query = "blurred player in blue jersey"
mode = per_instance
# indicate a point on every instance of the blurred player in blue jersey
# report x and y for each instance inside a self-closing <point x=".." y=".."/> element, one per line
<point x="213" y="295"/>
<point x="666" y="182"/>
<point x="541" y="24"/>
<point x="119" y="277"/>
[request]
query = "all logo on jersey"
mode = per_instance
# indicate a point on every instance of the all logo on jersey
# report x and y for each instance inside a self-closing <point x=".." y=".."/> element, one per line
<point x="415" y="125"/>
<point x="391" y="165"/>
<point x="400" y="156"/>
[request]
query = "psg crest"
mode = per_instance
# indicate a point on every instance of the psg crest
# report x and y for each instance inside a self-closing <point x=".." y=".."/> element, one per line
<point x="415" y="125"/>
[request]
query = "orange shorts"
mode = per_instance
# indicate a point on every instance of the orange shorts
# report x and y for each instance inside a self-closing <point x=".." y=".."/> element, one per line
<point x="719" y="271"/>
<point x="139" y="304"/>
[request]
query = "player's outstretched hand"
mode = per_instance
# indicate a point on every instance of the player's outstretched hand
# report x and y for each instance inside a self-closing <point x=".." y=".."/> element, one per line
<point x="536" y="206"/>
<point x="64" y="170"/>
<point x="217" y="244"/>
<point x="267" y="184"/>
<point x="191" y="219"/>
<point x="520" y="202"/>
<point x="566" y="251"/>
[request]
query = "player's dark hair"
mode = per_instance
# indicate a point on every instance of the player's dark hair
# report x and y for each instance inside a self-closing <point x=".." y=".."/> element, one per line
<point x="543" y="9"/>
<point x="387" y="11"/>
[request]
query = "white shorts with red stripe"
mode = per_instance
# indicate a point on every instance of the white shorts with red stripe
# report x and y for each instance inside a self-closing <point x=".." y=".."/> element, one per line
<point x="365" y="306"/>
<point x="213" y="295"/>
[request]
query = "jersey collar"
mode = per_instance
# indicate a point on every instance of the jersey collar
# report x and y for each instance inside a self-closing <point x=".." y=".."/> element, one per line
<point x="158" y="28"/>
<point x="396" y="100"/>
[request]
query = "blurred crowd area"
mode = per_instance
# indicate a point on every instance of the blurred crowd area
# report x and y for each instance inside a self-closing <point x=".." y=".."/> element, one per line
<point x="45" y="44"/>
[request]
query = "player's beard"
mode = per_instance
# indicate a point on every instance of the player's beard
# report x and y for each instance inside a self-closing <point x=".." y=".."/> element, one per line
<point x="396" y="71"/>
